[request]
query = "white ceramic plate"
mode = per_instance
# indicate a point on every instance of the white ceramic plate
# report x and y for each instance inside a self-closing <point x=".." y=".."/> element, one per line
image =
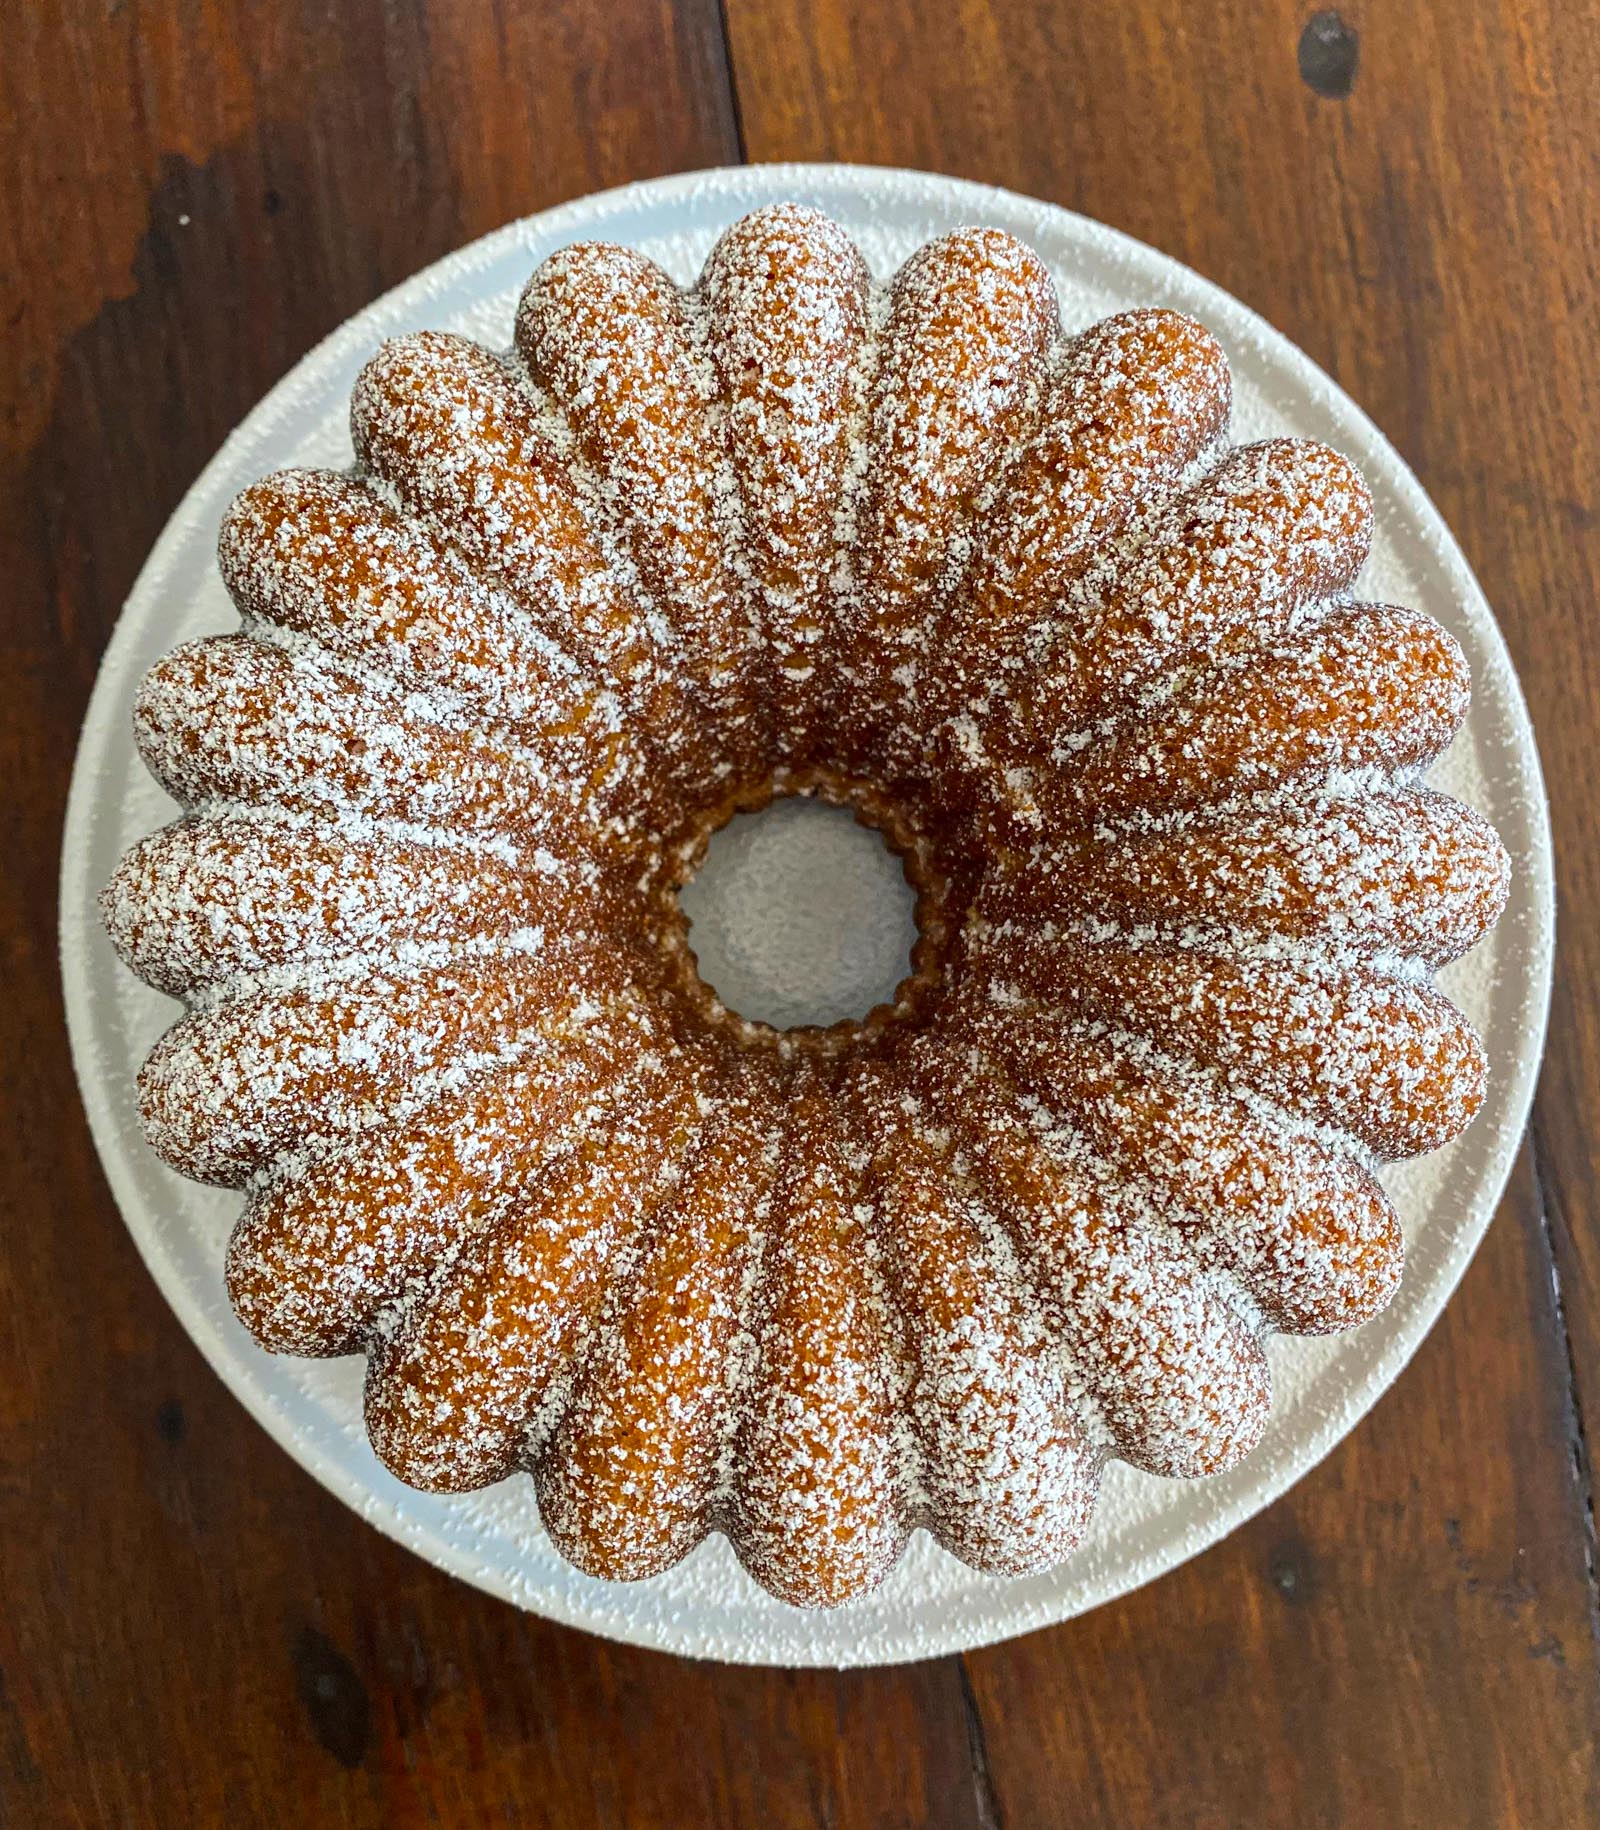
<point x="708" y="1607"/>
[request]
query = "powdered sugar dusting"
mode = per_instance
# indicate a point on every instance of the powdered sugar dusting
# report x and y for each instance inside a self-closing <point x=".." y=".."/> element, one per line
<point x="1180" y="902"/>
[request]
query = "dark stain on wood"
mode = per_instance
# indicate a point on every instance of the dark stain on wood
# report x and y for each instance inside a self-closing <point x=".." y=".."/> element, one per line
<point x="333" y="1697"/>
<point x="1328" y="52"/>
<point x="1293" y="1572"/>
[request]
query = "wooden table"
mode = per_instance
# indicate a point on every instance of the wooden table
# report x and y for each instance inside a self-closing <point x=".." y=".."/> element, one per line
<point x="191" y="1631"/>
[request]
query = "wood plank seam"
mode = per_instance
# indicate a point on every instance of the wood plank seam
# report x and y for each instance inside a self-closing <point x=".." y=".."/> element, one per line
<point x="983" y="1793"/>
<point x="731" y="76"/>
<point x="1578" y="1439"/>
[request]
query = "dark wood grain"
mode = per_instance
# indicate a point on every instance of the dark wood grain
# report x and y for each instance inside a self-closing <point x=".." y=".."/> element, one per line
<point x="191" y="1631"/>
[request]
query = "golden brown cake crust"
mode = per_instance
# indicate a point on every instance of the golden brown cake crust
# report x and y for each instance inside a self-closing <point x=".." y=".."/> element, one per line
<point x="1004" y="589"/>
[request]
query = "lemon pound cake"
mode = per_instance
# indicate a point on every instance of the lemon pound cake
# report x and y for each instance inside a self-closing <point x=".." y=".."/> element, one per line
<point x="1098" y="675"/>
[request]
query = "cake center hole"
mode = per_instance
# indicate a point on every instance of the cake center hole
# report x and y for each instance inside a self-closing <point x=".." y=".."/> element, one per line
<point x="799" y="915"/>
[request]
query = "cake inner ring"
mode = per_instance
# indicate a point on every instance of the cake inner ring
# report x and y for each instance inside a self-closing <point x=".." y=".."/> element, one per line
<point x="786" y="927"/>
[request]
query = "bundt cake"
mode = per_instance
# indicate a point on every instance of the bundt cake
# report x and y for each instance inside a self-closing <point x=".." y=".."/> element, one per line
<point x="1096" y="675"/>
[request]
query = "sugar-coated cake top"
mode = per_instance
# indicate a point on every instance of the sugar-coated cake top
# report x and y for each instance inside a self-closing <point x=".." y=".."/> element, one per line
<point x="1101" y="679"/>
